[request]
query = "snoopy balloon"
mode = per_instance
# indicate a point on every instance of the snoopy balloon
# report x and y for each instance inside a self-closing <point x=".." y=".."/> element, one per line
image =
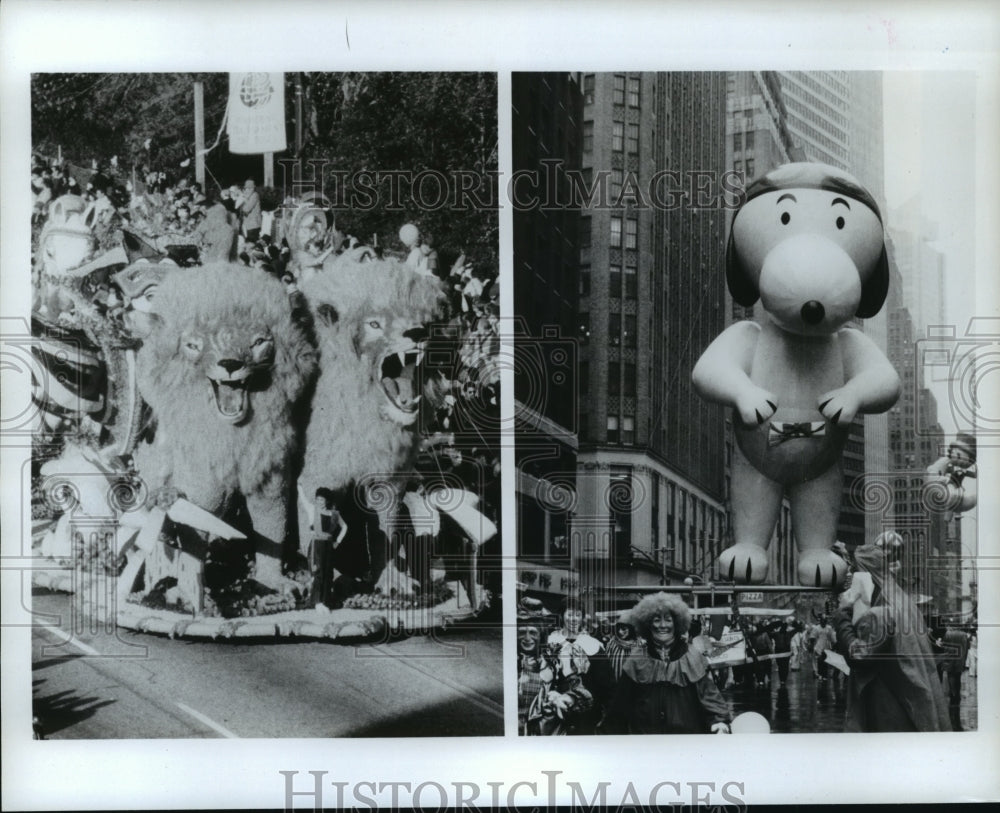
<point x="807" y="242"/>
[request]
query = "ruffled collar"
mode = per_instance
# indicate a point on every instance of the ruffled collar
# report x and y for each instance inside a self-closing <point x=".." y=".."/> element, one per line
<point x="686" y="668"/>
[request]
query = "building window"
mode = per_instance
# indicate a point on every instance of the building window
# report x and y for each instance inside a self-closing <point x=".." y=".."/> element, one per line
<point x="612" y="428"/>
<point x="618" y="136"/>
<point x="737" y="141"/>
<point x="614" y="329"/>
<point x="628" y="430"/>
<point x="584" y="232"/>
<point x="629" y="383"/>
<point x="631" y="282"/>
<point x="617" y="178"/>
<point x="749" y="140"/>
<point x="616" y="232"/>
<point x="630" y="330"/>
<point x="633" y="139"/>
<point x="588" y="88"/>
<point x="738" y="166"/>
<point x="588" y="136"/>
<point x="632" y="233"/>
<point x="749" y="168"/>
<point x="633" y="91"/>
<point x="619" y="94"/>
<point x="614" y="378"/>
<point x="615" y="281"/>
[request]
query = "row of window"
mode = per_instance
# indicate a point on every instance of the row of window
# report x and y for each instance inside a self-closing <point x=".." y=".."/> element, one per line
<point x="622" y="331"/>
<point x="743" y="140"/>
<point x="624" y="89"/>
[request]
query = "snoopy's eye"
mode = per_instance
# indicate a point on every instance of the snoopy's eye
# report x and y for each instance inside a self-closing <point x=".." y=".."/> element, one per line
<point x="785" y="218"/>
<point x="840" y="222"/>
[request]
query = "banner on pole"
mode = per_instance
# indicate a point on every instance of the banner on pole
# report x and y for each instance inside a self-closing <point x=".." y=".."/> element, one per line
<point x="256" y="113"/>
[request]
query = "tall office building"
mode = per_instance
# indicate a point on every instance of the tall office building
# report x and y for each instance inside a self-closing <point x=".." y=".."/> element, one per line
<point x="547" y="142"/>
<point x="650" y="478"/>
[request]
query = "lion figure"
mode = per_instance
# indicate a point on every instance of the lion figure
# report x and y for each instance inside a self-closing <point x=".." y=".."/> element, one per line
<point x="224" y="368"/>
<point x="370" y="318"/>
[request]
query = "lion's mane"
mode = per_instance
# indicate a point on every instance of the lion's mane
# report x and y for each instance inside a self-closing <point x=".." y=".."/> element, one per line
<point x="193" y="450"/>
<point x="347" y="438"/>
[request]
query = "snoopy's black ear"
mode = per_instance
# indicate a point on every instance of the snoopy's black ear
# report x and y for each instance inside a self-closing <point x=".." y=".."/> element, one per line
<point x="743" y="289"/>
<point x="874" y="292"/>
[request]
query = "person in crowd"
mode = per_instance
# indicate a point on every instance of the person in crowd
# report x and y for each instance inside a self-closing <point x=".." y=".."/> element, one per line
<point x="665" y="686"/>
<point x="760" y="649"/>
<point x="953" y="645"/>
<point x="621" y="644"/>
<point x="534" y="673"/>
<point x="580" y="683"/>
<point x="781" y="637"/>
<point x="217" y="234"/>
<point x="893" y="685"/>
<point x="250" y="211"/>
<point x="797" y="647"/>
<point x="824" y="638"/>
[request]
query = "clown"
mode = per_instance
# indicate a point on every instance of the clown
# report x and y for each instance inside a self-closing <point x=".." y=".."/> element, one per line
<point x="957" y="473"/>
<point x="808" y="243"/>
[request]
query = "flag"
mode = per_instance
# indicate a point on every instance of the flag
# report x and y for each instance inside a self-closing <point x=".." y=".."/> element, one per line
<point x="256" y="121"/>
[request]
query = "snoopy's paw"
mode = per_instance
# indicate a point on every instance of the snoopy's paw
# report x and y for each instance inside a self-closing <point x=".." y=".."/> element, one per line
<point x="820" y="567"/>
<point x="744" y="564"/>
<point x="839" y="406"/>
<point x="756" y="406"/>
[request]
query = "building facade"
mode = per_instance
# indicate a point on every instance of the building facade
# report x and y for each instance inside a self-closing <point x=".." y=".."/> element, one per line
<point x="547" y="147"/>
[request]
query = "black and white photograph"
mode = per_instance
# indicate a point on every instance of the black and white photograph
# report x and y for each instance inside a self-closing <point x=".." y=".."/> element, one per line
<point x="755" y="510"/>
<point x="390" y="388"/>
<point x="264" y="408"/>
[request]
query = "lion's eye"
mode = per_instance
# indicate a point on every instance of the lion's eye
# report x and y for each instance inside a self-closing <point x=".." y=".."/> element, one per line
<point x="259" y="341"/>
<point x="374" y="324"/>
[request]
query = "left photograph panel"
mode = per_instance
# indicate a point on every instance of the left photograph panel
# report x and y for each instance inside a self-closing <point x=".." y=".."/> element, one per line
<point x="264" y="405"/>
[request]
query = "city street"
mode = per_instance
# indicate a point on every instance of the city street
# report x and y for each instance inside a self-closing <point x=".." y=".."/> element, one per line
<point x="115" y="684"/>
<point x="805" y="705"/>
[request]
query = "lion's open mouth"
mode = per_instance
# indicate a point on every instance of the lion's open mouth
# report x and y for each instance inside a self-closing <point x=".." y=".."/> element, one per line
<point x="231" y="399"/>
<point x="398" y="374"/>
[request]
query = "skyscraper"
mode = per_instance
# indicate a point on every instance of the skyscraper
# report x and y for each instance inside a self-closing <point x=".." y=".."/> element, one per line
<point x="547" y="142"/>
<point x="651" y="462"/>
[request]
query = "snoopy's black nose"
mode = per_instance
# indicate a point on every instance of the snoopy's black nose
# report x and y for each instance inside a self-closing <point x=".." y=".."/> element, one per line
<point x="813" y="312"/>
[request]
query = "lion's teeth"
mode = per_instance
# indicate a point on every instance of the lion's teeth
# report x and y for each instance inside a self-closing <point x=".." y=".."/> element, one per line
<point x="420" y="357"/>
<point x="402" y="358"/>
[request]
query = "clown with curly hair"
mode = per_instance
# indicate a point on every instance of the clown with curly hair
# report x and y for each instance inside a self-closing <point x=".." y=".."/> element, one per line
<point x="665" y="687"/>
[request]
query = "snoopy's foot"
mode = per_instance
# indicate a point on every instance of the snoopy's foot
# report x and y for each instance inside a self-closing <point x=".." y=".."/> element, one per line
<point x="745" y="563"/>
<point x="821" y="567"/>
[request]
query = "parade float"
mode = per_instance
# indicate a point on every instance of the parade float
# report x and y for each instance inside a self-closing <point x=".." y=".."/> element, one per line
<point x="217" y="457"/>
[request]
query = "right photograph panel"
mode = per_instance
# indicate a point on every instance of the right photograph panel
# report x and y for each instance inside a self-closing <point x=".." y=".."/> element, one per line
<point x="745" y="375"/>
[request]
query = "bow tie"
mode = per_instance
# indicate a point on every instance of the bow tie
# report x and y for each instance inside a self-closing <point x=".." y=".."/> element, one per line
<point x="779" y="431"/>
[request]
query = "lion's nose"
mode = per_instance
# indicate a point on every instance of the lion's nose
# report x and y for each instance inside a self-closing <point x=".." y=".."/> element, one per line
<point x="230" y="365"/>
<point x="813" y="312"/>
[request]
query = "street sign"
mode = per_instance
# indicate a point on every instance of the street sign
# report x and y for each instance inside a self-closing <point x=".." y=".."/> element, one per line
<point x="752" y="598"/>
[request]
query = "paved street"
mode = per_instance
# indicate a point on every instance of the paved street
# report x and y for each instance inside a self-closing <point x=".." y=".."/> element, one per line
<point x="117" y="684"/>
<point x="805" y="705"/>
